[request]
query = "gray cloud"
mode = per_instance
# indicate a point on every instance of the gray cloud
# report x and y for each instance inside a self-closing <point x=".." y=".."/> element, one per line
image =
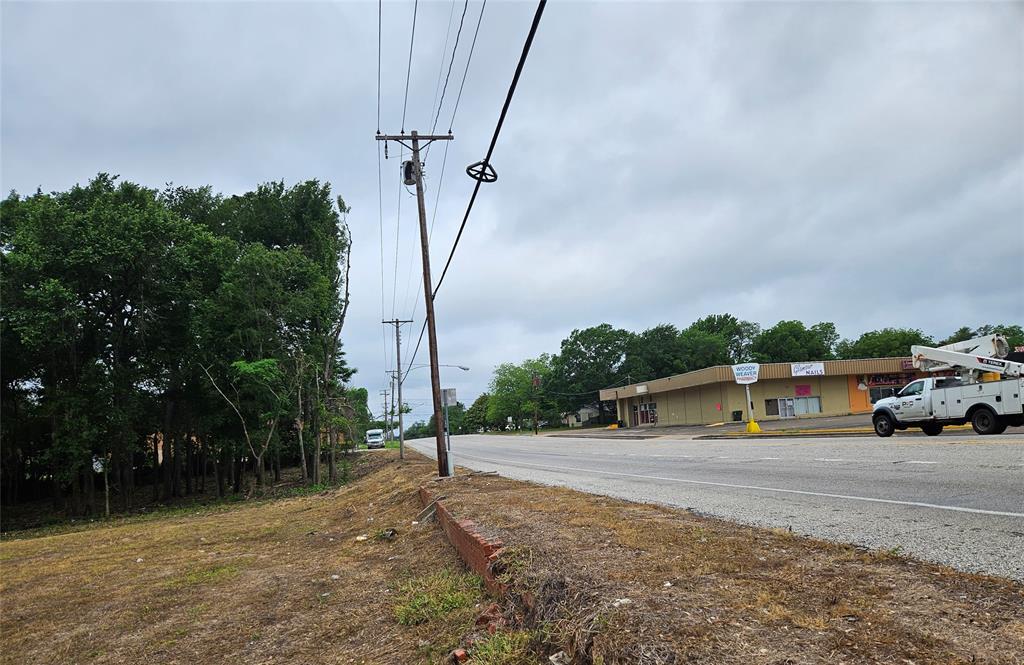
<point x="855" y="162"/>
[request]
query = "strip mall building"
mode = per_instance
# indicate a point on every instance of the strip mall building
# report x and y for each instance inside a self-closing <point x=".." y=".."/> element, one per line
<point x="783" y="390"/>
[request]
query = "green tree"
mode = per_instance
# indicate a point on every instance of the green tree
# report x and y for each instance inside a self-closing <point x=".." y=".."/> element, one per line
<point x="884" y="343"/>
<point x="791" y="341"/>
<point x="700" y="349"/>
<point x="738" y="335"/>
<point x="518" y="391"/>
<point x="589" y="360"/>
<point x="476" y="415"/>
<point x="654" y="353"/>
<point x="961" y="335"/>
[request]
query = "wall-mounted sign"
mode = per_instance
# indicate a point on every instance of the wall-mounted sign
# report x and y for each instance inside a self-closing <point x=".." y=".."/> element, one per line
<point x="641" y="389"/>
<point x="802" y="390"/>
<point x="907" y="363"/>
<point x="746" y="373"/>
<point x="899" y="379"/>
<point x="807" y="369"/>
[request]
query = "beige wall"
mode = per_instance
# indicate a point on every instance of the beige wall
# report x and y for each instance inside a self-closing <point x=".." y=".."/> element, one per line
<point x="699" y="405"/>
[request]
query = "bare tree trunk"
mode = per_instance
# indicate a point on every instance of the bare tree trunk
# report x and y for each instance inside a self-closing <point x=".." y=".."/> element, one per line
<point x="156" y="466"/>
<point x="204" y="465"/>
<point x="89" y="489"/>
<point x="189" y="464"/>
<point x="300" y="424"/>
<point x="277" y="464"/>
<point x="106" y="485"/>
<point x="238" y="471"/>
<point x="167" y="447"/>
<point x="218" y="469"/>
<point x="316" y="457"/>
<point x="332" y="441"/>
<point x="127" y="479"/>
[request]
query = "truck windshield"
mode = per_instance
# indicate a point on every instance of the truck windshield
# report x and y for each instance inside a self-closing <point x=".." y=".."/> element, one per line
<point x="915" y="388"/>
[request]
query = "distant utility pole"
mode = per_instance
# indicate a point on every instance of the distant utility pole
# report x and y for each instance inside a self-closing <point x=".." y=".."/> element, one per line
<point x="414" y="171"/>
<point x="387" y="416"/>
<point x="397" y="323"/>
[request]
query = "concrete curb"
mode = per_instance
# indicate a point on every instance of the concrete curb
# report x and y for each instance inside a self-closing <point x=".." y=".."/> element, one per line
<point x="765" y="435"/>
<point x="477" y="551"/>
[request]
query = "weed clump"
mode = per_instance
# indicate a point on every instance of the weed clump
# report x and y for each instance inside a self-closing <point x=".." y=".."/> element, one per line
<point x="437" y="595"/>
<point x="505" y="648"/>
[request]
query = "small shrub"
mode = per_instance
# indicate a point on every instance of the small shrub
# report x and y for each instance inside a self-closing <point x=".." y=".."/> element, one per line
<point x="505" y="648"/>
<point x="436" y="595"/>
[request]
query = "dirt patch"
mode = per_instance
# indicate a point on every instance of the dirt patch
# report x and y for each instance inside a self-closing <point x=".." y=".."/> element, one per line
<point x="282" y="581"/>
<point x="608" y="581"/>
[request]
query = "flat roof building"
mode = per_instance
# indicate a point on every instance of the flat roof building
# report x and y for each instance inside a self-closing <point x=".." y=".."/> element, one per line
<point x="783" y="390"/>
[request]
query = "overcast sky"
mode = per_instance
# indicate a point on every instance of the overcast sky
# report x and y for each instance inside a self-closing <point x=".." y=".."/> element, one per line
<point x="861" y="163"/>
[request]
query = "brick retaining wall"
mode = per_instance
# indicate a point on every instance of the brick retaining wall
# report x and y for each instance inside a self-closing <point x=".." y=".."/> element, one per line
<point x="476" y="550"/>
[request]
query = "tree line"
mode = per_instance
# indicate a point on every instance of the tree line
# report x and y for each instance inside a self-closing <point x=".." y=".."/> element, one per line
<point x="544" y="389"/>
<point x="167" y="337"/>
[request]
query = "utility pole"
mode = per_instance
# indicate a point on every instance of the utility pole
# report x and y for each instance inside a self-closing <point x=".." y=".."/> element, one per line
<point x="384" y="407"/>
<point x="416" y="173"/>
<point x="391" y="412"/>
<point x="397" y="323"/>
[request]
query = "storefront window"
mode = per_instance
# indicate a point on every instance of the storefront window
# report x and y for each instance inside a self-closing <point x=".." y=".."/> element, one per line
<point x="879" y="393"/>
<point x="649" y="413"/>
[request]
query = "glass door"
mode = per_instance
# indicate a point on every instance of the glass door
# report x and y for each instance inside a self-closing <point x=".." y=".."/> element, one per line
<point x="786" y="408"/>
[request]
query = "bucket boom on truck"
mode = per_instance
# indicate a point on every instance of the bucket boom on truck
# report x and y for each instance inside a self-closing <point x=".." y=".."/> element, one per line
<point x="973" y="357"/>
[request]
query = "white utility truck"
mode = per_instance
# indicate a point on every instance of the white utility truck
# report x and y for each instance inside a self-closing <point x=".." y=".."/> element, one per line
<point x="985" y="390"/>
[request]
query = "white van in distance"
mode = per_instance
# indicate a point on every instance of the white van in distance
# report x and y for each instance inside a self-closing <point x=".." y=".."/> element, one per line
<point x="374" y="438"/>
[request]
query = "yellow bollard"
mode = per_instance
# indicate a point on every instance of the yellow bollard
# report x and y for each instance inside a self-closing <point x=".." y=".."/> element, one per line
<point x="752" y="427"/>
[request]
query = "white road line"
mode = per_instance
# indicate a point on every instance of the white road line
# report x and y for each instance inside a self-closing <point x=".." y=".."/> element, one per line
<point x="829" y="459"/>
<point x="769" y="458"/>
<point x="869" y="499"/>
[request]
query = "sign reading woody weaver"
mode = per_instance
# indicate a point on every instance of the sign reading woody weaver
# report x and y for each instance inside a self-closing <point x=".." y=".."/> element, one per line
<point x="746" y="373"/>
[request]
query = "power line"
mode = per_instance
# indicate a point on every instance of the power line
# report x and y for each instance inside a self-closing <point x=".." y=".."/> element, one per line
<point x="380" y="214"/>
<point x="444" y="159"/>
<point x="440" y="66"/>
<point x="398" y="229"/>
<point x="380" y="13"/>
<point x="408" y="71"/>
<point x="485" y="164"/>
<point x="451" y="62"/>
<point x="469" y="59"/>
<point x="490" y="150"/>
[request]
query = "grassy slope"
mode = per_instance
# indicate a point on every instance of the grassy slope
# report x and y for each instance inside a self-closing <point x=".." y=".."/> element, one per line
<point x="250" y="583"/>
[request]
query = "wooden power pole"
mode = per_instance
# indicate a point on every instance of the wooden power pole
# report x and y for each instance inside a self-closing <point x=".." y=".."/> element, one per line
<point x="397" y="323"/>
<point x="428" y="286"/>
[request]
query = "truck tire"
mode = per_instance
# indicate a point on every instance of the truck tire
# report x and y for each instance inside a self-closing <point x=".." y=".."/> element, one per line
<point x="884" y="424"/>
<point x="932" y="429"/>
<point x="1001" y="427"/>
<point x="984" y="421"/>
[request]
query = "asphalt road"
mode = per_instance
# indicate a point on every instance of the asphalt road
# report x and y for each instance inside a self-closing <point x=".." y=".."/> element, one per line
<point x="957" y="500"/>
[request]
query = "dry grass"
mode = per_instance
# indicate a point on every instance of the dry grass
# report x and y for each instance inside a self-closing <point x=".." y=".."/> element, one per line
<point x="610" y="581"/>
<point x="254" y="583"/>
